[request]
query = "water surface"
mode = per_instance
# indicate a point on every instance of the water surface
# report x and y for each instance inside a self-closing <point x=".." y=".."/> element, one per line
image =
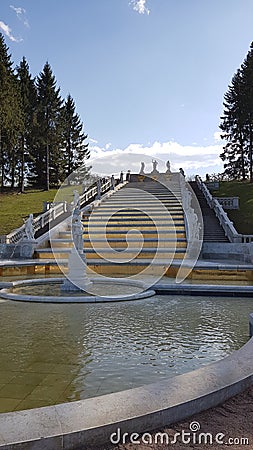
<point x="52" y="353"/>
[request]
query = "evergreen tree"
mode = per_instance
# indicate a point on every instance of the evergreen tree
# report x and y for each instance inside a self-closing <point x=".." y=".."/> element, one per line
<point x="11" y="117"/>
<point x="46" y="158"/>
<point x="233" y="128"/>
<point x="237" y="122"/>
<point x="247" y="100"/>
<point x="76" y="150"/>
<point x="39" y="136"/>
<point x="29" y="103"/>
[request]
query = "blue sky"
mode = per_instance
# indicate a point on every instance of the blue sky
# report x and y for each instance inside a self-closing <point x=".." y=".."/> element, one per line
<point x="147" y="76"/>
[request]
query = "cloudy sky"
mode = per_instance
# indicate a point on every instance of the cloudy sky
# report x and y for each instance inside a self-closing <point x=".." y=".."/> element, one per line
<point x="148" y="76"/>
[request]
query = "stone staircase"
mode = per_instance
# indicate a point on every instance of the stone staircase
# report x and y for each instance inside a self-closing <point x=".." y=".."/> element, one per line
<point x="139" y="209"/>
<point x="213" y="232"/>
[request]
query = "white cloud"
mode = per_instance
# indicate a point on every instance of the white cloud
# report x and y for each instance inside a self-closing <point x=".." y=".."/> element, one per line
<point x="21" y="14"/>
<point x="7" y="31"/>
<point x="193" y="159"/>
<point x="140" y="6"/>
<point x="217" y="136"/>
<point x="18" y="11"/>
<point x="93" y="141"/>
<point x="107" y="146"/>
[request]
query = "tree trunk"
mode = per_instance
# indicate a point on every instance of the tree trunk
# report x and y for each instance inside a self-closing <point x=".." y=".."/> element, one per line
<point x="2" y="161"/>
<point x="13" y="172"/>
<point x="251" y="156"/>
<point x="242" y="154"/>
<point x="47" y="168"/>
<point x="22" y="169"/>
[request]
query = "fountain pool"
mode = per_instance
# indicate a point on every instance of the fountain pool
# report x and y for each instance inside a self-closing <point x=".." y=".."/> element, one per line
<point x="50" y="290"/>
<point x="54" y="353"/>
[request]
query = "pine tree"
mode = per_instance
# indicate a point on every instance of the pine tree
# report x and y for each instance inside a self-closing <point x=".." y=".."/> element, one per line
<point x="38" y="136"/>
<point x="75" y="148"/>
<point x="247" y="95"/>
<point x="237" y="122"/>
<point x="28" y="102"/>
<point x="233" y="130"/>
<point x="47" y="154"/>
<point x="11" y="117"/>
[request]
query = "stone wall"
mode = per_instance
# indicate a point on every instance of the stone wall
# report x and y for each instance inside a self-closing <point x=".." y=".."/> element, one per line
<point x="14" y="251"/>
<point x="227" y="251"/>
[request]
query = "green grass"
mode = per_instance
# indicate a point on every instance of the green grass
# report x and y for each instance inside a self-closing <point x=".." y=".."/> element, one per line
<point x="15" y="207"/>
<point x="242" y="218"/>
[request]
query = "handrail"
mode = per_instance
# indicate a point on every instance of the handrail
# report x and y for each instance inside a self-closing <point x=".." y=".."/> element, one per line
<point x="91" y="192"/>
<point x="14" y="236"/>
<point x="221" y="215"/>
<point x="39" y="222"/>
<point x="229" y="202"/>
<point x="58" y="209"/>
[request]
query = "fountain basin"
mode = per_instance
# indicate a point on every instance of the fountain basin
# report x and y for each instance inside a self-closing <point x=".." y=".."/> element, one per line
<point x="42" y="291"/>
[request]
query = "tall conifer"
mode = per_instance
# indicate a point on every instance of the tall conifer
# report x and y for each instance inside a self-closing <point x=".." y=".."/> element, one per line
<point x="29" y="103"/>
<point x="75" y="147"/>
<point x="237" y="122"/>
<point x="11" y="117"/>
<point x="46" y="158"/>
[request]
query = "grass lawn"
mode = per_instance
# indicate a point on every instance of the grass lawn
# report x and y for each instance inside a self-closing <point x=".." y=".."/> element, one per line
<point x="242" y="218"/>
<point x="15" y="207"/>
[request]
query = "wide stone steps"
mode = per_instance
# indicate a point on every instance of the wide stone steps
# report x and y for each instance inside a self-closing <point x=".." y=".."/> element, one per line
<point x="119" y="243"/>
<point x="140" y="204"/>
<point x="109" y="228"/>
<point x="134" y="220"/>
<point x="119" y="233"/>
<point x="129" y="231"/>
<point x="101" y="255"/>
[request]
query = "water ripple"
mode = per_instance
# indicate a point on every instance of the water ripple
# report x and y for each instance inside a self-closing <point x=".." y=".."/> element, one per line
<point x="110" y="347"/>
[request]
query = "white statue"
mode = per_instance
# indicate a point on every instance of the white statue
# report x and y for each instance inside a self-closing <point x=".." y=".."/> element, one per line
<point x="76" y="199"/>
<point x="194" y="227"/>
<point x="29" y="228"/>
<point x="112" y="183"/>
<point x="168" y="167"/>
<point x="155" y="163"/>
<point x="142" y="168"/>
<point x="98" y="197"/>
<point x="77" y="231"/>
<point x="187" y="198"/>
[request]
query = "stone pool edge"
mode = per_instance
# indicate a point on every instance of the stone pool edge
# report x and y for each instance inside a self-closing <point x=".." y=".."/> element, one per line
<point x="89" y="423"/>
<point x="192" y="289"/>
<point x="6" y="295"/>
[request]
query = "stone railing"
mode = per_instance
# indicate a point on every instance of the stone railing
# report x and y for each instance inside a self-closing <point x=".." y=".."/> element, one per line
<point x="247" y="238"/>
<point x="221" y="215"/>
<point x="57" y="209"/>
<point x="228" y="202"/>
<point x="39" y="222"/>
<point x="212" y="185"/>
<point x="93" y="191"/>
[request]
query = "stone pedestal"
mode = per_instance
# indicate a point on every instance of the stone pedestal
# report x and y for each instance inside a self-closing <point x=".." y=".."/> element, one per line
<point x="77" y="278"/>
<point x="27" y="247"/>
